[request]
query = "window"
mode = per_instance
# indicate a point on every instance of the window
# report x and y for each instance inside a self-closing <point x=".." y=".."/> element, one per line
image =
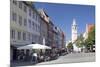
<point x="37" y="18"/>
<point x="20" y="20"/>
<point x="29" y="23"/>
<point x="13" y="34"/>
<point x="43" y="16"/>
<point x="19" y="35"/>
<point x="29" y="12"/>
<point x="33" y="15"/>
<point x="33" y="25"/>
<point x="38" y="28"/>
<point x="20" y="4"/>
<point x="35" y="37"/>
<point x="14" y="16"/>
<point x="29" y="36"/>
<point x="25" y="8"/>
<point x="15" y="2"/>
<point x="32" y="37"/>
<point x="24" y="36"/>
<point x="25" y="22"/>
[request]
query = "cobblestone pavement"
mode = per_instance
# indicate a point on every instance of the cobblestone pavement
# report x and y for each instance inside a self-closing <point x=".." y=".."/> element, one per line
<point x="70" y="58"/>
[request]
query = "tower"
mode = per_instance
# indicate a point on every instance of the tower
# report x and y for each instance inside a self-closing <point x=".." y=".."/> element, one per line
<point x="74" y="36"/>
<point x="74" y="31"/>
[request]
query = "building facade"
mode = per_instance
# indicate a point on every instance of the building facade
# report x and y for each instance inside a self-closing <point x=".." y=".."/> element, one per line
<point x="44" y="27"/>
<point x="55" y="37"/>
<point x="63" y="40"/>
<point x="89" y="28"/>
<point x="50" y="34"/>
<point x="58" y="38"/>
<point x="28" y="25"/>
<point x="24" y="24"/>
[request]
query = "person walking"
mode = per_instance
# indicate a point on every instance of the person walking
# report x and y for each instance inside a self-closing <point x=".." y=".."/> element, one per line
<point x="34" y="57"/>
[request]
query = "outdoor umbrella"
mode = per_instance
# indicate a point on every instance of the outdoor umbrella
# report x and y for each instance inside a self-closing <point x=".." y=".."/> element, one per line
<point x="46" y="47"/>
<point x="34" y="46"/>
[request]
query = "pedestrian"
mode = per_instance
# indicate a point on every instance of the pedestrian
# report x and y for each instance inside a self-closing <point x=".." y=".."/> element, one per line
<point x="34" y="57"/>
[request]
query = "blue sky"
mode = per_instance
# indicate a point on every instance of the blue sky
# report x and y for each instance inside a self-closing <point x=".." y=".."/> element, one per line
<point x="62" y="15"/>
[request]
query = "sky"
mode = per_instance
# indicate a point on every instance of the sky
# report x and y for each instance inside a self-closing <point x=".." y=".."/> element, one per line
<point x="62" y="15"/>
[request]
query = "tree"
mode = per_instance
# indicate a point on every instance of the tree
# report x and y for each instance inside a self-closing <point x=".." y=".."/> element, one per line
<point x="70" y="47"/>
<point x="91" y="36"/>
<point x="90" y="41"/>
<point x="80" y="41"/>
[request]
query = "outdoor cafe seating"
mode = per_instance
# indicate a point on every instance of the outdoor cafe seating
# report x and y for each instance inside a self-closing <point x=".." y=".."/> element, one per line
<point x="29" y="51"/>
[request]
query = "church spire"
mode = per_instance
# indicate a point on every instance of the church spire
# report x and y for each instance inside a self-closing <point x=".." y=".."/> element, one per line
<point x="74" y="21"/>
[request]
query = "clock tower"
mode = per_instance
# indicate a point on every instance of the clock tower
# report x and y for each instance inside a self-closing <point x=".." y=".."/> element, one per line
<point x="74" y="31"/>
<point x="74" y="36"/>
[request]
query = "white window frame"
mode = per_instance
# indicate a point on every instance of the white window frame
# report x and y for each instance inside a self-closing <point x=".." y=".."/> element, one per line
<point x="20" y="20"/>
<point x="19" y="35"/>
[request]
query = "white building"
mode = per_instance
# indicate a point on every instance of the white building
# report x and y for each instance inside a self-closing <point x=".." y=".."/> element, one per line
<point x="44" y="26"/>
<point x="85" y="35"/>
<point x="24" y="24"/>
<point x="74" y="35"/>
